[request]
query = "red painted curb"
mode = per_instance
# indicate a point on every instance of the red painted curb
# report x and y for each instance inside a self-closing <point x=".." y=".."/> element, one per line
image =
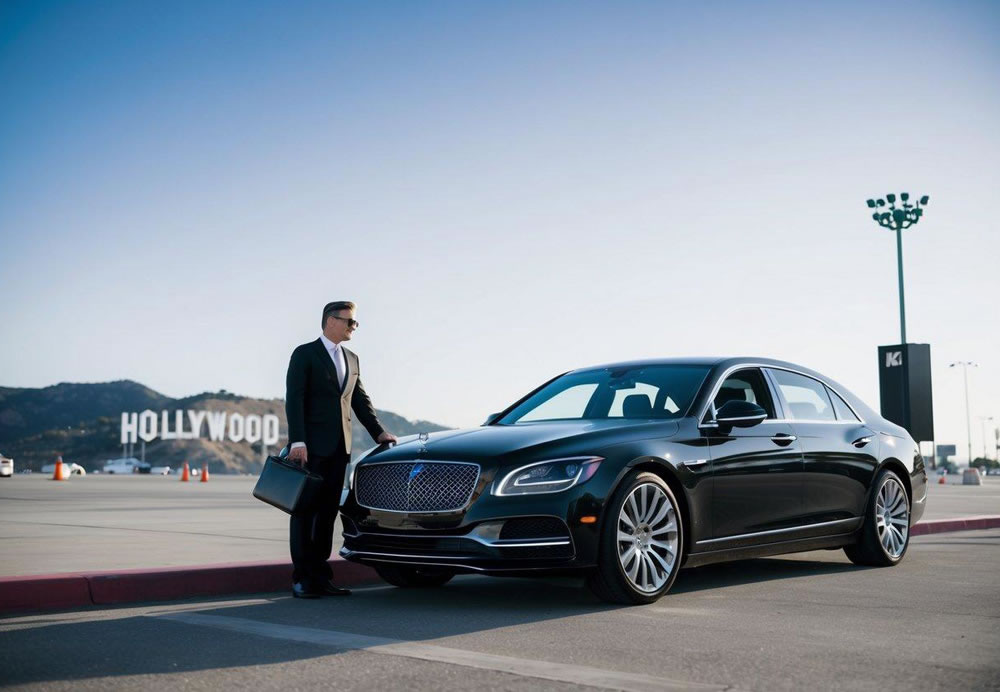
<point x="961" y="524"/>
<point x="65" y="591"/>
<point x="46" y="592"/>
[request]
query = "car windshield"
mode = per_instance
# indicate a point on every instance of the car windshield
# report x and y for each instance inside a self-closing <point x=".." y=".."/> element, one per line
<point x="645" y="392"/>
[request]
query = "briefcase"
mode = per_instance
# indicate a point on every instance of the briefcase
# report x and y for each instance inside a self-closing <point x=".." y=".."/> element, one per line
<point x="287" y="486"/>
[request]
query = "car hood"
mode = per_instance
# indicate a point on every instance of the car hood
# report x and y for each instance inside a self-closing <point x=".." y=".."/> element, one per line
<point x="492" y="442"/>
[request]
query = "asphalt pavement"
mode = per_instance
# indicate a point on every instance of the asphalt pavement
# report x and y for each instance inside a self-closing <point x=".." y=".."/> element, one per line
<point x="807" y="621"/>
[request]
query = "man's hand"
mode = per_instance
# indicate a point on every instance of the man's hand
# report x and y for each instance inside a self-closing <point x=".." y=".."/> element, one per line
<point x="386" y="437"/>
<point x="299" y="454"/>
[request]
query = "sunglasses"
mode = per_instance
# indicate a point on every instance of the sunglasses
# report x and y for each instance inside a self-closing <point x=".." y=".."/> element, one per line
<point x="353" y="324"/>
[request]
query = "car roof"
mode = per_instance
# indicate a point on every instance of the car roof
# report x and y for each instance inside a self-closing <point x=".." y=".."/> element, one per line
<point x="710" y="361"/>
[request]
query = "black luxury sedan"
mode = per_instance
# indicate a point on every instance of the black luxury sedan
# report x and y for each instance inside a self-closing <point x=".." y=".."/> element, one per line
<point x="626" y="472"/>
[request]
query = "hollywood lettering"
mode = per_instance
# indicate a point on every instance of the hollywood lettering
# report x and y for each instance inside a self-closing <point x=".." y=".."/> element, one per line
<point x="188" y="425"/>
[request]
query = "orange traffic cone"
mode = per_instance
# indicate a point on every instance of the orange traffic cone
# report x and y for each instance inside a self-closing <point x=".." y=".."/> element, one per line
<point x="204" y="473"/>
<point x="186" y="473"/>
<point x="60" y="471"/>
<point x="942" y="480"/>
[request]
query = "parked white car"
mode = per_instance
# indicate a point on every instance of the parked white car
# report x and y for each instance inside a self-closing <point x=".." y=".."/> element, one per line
<point x="160" y="470"/>
<point x="6" y="466"/>
<point x="125" y="465"/>
<point x="71" y="468"/>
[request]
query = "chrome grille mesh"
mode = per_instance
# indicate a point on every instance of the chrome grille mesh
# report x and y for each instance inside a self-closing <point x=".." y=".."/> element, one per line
<point x="416" y="486"/>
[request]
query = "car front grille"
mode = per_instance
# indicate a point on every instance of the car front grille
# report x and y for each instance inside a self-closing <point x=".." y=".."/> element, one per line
<point x="416" y="486"/>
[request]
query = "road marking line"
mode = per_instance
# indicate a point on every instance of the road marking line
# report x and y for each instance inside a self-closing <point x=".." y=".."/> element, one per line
<point x="545" y="670"/>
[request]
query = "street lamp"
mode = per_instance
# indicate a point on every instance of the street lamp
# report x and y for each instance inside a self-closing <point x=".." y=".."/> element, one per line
<point x="966" y="364"/>
<point x="982" y="423"/>
<point x="888" y="215"/>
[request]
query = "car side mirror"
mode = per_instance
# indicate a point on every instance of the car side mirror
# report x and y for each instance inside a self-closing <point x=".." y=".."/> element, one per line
<point x="492" y="417"/>
<point x="740" y="414"/>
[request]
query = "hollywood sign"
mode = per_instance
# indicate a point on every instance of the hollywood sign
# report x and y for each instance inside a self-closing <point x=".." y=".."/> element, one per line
<point x="187" y="425"/>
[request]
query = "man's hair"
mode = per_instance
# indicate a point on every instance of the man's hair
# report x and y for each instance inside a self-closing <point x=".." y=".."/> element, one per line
<point x="334" y="307"/>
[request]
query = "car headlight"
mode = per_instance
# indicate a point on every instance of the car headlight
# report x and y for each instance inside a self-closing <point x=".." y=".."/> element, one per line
<point x="548" y="476"/>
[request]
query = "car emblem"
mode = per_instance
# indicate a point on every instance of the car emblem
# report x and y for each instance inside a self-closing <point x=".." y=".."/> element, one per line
<point x="422" y="439"/>
<point x="414" y="472"/>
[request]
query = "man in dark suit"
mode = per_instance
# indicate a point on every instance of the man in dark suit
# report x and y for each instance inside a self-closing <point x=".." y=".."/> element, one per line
<point x="323" y="387"/>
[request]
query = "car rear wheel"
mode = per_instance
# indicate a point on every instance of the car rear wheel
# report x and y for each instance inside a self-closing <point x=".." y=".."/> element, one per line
<point x="885" y="535"/>
<point x="414" y="577"/>
<point x="641" y="542"/>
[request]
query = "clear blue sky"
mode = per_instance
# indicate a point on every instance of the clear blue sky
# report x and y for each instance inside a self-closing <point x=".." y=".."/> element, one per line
<point x="508" y="190"/>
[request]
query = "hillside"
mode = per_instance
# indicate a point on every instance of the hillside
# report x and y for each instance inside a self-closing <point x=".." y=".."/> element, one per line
<point x="82" y="423"/>
<point x="25" y="412"/>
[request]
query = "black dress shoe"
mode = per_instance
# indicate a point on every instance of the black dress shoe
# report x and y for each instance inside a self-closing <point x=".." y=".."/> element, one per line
<point x="331" y="589"/>
<point x="299" y="590"/>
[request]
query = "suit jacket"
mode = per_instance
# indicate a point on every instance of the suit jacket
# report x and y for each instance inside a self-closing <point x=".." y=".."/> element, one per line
<point x="318" y="407"/>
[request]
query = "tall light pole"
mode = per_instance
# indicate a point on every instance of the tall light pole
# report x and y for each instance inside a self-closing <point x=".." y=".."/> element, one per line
<point x="966" y="364"/>
<point x="888" y="215"/>
<point x="982" y="423"/>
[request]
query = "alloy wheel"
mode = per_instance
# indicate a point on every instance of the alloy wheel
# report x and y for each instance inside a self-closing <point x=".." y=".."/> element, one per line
<point x="647" y="537"/>
<point x="892" y="517"/>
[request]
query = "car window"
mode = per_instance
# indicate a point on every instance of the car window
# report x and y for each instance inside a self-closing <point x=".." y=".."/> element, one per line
<point x="569" y="403"/>
<point x="746" y="385"/>
<point x="640" y="392"/>
<point x="807" y="398"/>
<point x="844" y="411"/>
<point x="643" y="396"/>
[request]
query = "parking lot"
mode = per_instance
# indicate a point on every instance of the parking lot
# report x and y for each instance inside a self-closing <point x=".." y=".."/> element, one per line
<point x="809" y="621"/>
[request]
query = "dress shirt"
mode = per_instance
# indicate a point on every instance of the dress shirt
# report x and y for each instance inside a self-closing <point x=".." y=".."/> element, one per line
<point x="337" y="356"/>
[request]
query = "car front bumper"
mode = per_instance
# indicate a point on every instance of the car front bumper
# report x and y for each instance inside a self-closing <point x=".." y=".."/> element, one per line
<point x="495" y="535"/>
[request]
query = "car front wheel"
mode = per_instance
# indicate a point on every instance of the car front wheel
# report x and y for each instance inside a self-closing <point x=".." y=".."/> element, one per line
<point x="641" y="542"/>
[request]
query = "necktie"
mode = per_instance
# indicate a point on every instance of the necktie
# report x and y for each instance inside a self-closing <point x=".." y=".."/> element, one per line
<point x="338" y="363"/>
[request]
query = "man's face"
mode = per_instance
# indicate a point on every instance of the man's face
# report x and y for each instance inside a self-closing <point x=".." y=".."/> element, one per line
<point x="339" y="326"/>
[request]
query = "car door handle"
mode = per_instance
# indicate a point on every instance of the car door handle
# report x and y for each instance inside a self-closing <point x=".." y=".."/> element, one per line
<point x="694" y="462"/>
<point x="862" y="441"/>
<point x="783" y="439"/>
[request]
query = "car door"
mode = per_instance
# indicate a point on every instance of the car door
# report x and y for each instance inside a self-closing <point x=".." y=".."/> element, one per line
<point x="840" y="452"/>
<point x="756" y="471"/>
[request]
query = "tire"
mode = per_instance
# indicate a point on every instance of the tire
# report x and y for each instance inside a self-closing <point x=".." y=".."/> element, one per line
<point x="634" y="563"/>
<point x="408" y="577"/>
<point x="885" y="535"/>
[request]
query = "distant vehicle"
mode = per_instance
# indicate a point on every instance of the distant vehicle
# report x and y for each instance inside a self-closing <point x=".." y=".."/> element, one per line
<point x="6" y="466"/>
<point x="160" y="470"/>
<point x="25" y="471"/>
<point x="126" y="465"/>
<point x="71" y="468"/>
<point x="971" y="476"/>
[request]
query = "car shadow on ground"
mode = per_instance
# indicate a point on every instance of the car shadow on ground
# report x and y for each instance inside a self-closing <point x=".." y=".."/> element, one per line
<point x="149" y="644"/>
<point x="753" y="571"/>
